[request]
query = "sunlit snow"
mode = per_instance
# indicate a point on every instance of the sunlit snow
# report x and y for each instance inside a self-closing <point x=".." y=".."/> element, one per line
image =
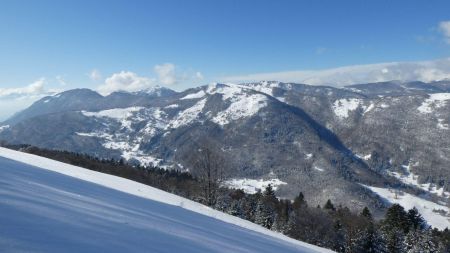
<point x="48" y="206"/>
<point x="342" y="107"/>
<point x="436" y="100"/>
<point x="198" y="94"/>
<point x="426" y="208"/>
<point x="253" y="185"/>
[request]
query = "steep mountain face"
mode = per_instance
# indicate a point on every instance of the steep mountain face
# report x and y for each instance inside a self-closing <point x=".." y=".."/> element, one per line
<point x="401" y="134"/>
<point x="321" y="140"/>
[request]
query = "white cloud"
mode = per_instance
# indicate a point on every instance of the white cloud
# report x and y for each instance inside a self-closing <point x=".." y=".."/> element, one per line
<point x="199" y="76"/>
<point x="15" y="99"/>
<point x="95" y="75"/>
<point x="61" y="80"/>
<point x="166" y="73"/>
<point x="444" y="28"/>
<point x="126" y="81"/>
<point x="34" y="88"/>
<point x="425" y="71"/>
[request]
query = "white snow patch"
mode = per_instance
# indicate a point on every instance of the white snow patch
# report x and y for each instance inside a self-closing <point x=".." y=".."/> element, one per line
<point x="187" y="116"/>
<point x="364" y="157"/>
<point x="342" y="107"/>
<point x="319" y="169"/>
<point x="172" y="106"/>
<point x="369" y="108"/>
<point x="3" y="128"/>
<point x="241" y="107"/>
<point x="409" y="201"/>
<point x="199" y="94"/>
<point x="117" y="114"/>
<point x="442" y="125"/>
<point x="95" y="134"/>
<point x="252" y="186"/>
<point x="263" y="86"/>
<point x="308" y="156"/>
<point x="412" y="179"/>
<point x="436" y="100"/>
<point x="242" y="104"/>
<point x="122" y="115"/>
<point x="98" y="216"/>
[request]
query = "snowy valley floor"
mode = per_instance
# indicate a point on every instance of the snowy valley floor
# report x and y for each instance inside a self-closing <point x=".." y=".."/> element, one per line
<point x="48" y="206"/>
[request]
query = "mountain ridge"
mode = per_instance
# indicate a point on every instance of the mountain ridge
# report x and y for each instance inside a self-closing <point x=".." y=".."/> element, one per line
<point x="305" y="135"/>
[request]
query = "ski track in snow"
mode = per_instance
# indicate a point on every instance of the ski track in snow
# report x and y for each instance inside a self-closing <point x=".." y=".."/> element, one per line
<point x="78" y="210"/>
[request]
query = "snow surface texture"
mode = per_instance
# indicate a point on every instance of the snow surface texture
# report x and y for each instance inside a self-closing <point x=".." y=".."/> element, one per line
<point x="252" y="186"/>
<point x="436" y="100"/>
<point x="426" y="208"/>
<point x="78" y="210"/>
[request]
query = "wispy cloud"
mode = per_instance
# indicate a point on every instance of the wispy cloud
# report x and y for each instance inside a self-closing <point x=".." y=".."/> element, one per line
<point x="95" y="75"/>
<point x="61" y="81"/>
<point x="404" y="71"/>
<point x="444" y="28"/>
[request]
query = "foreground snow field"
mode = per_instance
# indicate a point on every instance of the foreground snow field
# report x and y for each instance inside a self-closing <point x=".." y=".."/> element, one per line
<point x="48" y="206"/>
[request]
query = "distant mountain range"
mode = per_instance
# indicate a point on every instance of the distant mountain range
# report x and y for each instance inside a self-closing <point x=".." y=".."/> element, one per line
<point x="327" y="142"/>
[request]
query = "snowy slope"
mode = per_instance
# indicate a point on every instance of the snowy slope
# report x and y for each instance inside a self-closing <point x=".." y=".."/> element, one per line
<point x="425" y="207"/>
<point x="78" y="210"/>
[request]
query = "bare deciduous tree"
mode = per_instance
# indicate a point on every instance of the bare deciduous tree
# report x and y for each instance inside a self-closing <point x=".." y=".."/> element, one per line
<point x="208" y="166"/>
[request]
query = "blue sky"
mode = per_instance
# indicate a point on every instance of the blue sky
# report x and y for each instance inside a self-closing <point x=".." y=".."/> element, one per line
<point x="58" y="45"/>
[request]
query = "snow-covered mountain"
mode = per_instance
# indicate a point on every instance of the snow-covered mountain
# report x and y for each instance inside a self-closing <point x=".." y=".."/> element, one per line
<point x="48" y="206"/>
<point x="320" y="140"/>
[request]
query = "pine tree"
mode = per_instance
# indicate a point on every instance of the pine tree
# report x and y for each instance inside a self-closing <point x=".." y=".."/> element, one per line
<point x="299" y="202"/>
<point x="282" y="217"/>
<point x="395" y="241"/>
<point x="371" y="241"/>
<point x="236" y="209"/>
<point x="329" y="206"/>
<point x="265" y="209"/>
<point x="420" y="241"/>
<point x="415" y="219"/>
<point x="366" y="213"/>
<point x="394" y="227"/>
<point x="263" y="216"/>
<point x="396" y="219"/>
